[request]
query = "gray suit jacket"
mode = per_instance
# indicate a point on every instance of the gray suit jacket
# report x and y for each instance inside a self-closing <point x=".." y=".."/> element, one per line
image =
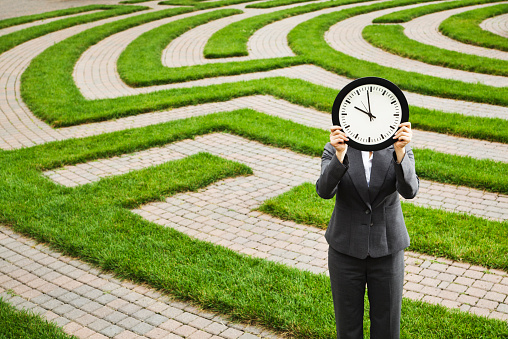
<point x="367" y="220"/>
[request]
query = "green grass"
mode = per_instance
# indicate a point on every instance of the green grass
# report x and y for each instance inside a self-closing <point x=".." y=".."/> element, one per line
<point x="93" y="222"/>
<point x="391" y="38"/>
<point x="55" y="66"/>
<point x="132" y="1"/>
<point x="141" y="66"/>
<point x="465" y="27"/>
<point x="493" y="129"/>
<point x="23" y="324"/>
<point x="308" y="39"/>
<point x="436" y="232"/>
<point x="232" y="40"/>
<point x="48" y="15"/>
<point x="203" y="5"/>
<point x="13" y="39"/>
<point x="276" y="3"/>
<point x="409" y="14"/>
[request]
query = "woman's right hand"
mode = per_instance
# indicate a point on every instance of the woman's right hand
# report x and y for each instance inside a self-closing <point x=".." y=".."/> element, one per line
<point x="338" y="140"/>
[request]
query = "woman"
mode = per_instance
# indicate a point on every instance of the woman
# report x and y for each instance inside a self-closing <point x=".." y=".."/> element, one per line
<point x="366" y="234"/>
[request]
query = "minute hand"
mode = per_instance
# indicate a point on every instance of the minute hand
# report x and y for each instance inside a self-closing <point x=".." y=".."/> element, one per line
<point x="369" y="114"/>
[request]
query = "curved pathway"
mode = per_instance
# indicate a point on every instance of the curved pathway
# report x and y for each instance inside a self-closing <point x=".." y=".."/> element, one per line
<point x="497" y="25"/>
<point x="425" y="29"/>
<point x="78" y="297"/>
<point x="346" y="37"/>
<point x="268" y="42"/>
<point x="12" y="29"/>
<point x="90" y="304"/>
<point x="222" y="213"/>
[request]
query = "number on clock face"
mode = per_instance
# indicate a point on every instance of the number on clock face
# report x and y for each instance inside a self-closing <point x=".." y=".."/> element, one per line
<point x="370" y="114"/>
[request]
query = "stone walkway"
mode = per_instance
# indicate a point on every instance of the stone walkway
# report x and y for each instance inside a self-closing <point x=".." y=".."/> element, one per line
<point x="425" y="29"/>
<point x="346" y="37"/>
<point x="222" y="213"/>
<point x="88" y="303"/>
<point x="497" y="25"/>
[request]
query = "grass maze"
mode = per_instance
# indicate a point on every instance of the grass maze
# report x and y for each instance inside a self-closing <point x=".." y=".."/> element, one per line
<point x="223" y="119"/>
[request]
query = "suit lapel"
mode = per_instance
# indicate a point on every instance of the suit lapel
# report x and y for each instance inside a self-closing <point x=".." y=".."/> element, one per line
<point x="380" y="165"/>
<point x="358" y="174"/>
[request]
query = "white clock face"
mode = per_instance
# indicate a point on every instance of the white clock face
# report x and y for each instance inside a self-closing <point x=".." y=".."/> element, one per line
<point x="370" y="114"/>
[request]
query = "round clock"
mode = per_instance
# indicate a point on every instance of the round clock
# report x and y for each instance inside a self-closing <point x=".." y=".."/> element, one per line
<point x="369" y="110"/>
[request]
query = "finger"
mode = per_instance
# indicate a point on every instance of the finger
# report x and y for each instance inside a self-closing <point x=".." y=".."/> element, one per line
<point x="335" y="128"/>
<point x="407" y="124"/>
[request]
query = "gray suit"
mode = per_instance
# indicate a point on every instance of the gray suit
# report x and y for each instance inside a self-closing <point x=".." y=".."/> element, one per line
<point x="367" y="236"/>
<point x="367" y="220"/>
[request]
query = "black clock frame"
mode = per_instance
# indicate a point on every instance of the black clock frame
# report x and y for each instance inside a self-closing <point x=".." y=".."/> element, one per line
<point x="367" y="81"/>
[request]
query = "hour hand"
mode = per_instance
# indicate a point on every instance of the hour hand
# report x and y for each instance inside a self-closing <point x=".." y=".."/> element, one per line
<point x="371" y="117"/>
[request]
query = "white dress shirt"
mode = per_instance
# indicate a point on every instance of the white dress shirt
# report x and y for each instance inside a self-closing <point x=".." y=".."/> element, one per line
<point x="367" y="164"/>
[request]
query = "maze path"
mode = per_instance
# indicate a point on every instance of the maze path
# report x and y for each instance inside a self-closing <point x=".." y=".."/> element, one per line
<point x="478" y="149"/>
<point x="267" y="42"/>
<point x="497" y="25"/>
<point x="90" y="304"/>
<point x="346" y="37"/>
<point x="221" y="213"/>
<point x="10" y="9"/>
<point x="430" y="279"/>
<point x="16" y="28"/>
<point x="18" y="126"/>
<point x="449" y="197"/>
<point x="425" y="29"/>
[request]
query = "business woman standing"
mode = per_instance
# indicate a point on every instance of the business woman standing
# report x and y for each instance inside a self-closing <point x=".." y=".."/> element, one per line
<point x="366" y="234"/>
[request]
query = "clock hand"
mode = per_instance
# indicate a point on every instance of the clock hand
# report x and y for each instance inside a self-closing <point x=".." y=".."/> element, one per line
<point x="369" y="114"/>
<point x="368" y="101"/>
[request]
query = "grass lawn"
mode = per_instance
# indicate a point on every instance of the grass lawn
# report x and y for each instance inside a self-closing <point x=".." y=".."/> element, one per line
<point x="93" y="222"/>
<point x="406" y="15"/>
<point x="436" y="232"/>
<point x="465" y="27"/>
<point x="391" y="38"/>
<point x="13" y="39"/>
<point x="23" y="324"/>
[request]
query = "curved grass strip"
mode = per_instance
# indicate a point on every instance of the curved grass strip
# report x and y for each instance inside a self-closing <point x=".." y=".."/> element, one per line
<point x="308" y="39"/>
<point x="26" y="325"/>
<point x="132" y="1"/>
<point x="455" y="236"/>
<point x="203" y="5"/>
<point x="140" y="65"/>
<point x="13" y="39"/>
<point x="465" y="27"/>
<point x="53" y="14"/>
<point x="232" y="40"/>
<point x="409" y="14"/>
<point x="493" y="129"/>
<point x="92" y="222"/>
<point x="391" y="38"/>
<point x="55" y="66"/>
<point x="276" y="3"/>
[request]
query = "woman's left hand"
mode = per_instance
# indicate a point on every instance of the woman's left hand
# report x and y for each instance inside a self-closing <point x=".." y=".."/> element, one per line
<point x="403" y="135"/>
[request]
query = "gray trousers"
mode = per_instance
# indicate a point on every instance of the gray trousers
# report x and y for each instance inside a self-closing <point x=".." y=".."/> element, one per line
<point x="384" y="278"/>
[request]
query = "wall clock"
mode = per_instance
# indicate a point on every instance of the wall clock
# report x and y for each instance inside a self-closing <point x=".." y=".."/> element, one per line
<point x="369" y="110"/>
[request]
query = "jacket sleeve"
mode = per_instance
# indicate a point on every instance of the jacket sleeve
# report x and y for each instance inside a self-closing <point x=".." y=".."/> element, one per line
<point x="332" y="171"/>
<point x="407" y="182"/>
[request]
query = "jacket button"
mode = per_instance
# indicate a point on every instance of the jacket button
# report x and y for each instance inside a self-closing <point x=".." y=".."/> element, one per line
<point x="367" y="211"/>
<point x="371" y="224"/>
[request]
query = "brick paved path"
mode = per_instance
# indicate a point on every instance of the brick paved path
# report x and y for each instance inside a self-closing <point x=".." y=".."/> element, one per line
<point x="90" y="304"/>
<point x="222" y="214"/>
<point x="497" y="25"/>
<point x="346" y="37"/>
<point x="425" y="29"/>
